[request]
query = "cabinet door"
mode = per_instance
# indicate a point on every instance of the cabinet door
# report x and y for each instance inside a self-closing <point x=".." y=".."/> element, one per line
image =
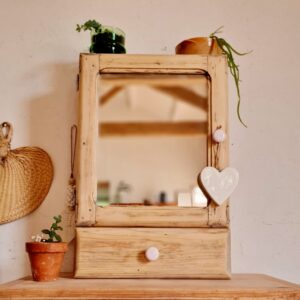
<point x="160" y="112"/>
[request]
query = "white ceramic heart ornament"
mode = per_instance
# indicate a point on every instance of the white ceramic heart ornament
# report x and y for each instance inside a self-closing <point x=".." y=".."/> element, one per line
<point x="219" y="185"/>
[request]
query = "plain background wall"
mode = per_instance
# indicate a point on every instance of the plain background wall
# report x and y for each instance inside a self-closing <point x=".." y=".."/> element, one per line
<point x="39" y="51"/>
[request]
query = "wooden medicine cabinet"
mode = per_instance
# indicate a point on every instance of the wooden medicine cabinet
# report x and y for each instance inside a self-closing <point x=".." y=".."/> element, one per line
<point x="148" y="120"/>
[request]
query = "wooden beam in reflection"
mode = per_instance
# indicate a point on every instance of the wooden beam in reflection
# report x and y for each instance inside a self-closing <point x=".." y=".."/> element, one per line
<point x="152" y="128"/>
<point x="112" y="92"/>
<point x="186" y="95"/>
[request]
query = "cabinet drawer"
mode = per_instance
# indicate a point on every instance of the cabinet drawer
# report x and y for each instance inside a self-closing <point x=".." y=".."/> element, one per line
<point x="183" y="253"/>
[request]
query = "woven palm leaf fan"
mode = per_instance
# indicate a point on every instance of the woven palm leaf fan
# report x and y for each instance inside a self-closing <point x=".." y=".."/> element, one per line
<point x="26" y="175"/>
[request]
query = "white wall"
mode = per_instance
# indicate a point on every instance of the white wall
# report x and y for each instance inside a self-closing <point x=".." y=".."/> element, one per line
<point x="38" y="63"/>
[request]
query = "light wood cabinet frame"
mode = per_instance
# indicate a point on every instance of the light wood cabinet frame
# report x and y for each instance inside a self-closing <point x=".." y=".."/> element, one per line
<point x="91" y="67"/>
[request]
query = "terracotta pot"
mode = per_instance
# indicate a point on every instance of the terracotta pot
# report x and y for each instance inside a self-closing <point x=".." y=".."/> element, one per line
<point x="46" y="259"/>
<point x="198" y="45"/>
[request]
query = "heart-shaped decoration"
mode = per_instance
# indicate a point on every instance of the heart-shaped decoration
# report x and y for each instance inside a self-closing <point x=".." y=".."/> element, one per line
<point x="219" y="185"/>
<point x="26" y="175"/>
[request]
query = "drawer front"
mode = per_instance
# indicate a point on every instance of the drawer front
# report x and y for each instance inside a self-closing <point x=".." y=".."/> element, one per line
<point x="183" y="253"/>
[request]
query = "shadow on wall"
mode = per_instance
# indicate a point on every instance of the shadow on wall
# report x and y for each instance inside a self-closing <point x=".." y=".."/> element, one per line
<point x="51" y="116"/>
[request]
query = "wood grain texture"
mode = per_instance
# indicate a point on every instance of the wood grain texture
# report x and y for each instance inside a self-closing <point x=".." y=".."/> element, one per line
<point x="153" y="216"/>
<point x="240" y="287"/>
<point x="217" y="70"/>
<point x="86" y="185"/>
<point x="159" y="64"/>
<point x="120" y="253"/>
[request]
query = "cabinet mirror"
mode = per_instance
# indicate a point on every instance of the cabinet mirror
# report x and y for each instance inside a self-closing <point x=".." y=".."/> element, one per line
<point x="152" y="138"/>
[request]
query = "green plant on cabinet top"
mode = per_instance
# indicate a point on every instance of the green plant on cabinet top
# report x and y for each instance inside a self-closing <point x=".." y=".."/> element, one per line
<point x="104" y="39"/>
<point x="229" y="51"/>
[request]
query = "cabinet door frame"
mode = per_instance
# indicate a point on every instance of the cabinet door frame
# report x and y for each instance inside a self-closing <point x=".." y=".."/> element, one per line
<point x="91" y="67"/>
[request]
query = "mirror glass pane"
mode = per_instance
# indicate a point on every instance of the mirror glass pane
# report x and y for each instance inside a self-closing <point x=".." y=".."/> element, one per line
<point x="152" y="140"/>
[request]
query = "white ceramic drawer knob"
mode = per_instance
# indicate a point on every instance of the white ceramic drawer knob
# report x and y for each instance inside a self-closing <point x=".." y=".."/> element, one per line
<point x="152" y="253"/>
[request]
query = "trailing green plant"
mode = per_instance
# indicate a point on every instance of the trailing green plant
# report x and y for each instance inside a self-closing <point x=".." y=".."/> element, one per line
<point x="229" y="51"/>
<point x="51" y="232"/>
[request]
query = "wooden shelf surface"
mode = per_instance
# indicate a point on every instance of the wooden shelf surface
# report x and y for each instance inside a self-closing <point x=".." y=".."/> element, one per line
<point x="240" y="287"/>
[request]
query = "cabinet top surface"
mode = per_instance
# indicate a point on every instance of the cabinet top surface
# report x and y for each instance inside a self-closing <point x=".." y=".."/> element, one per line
<point x="111" y="55"/>
<point x="241" y="286"/>
<point x="148" y="61"/>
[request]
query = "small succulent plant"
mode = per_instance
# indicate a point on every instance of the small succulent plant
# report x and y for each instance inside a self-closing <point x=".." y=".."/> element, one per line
<point x="229" y="51"/>
<point x="51" y="232"/>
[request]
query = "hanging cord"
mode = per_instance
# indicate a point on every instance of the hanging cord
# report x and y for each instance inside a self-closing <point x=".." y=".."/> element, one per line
<point x="217" y="149"/>
<point x="73" y="148"/>
<point x="72" y="182"/>
<point x="217" y="156"/>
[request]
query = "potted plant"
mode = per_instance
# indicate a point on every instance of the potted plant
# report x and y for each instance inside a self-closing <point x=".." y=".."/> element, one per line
<point x="214" y="45"/>
<point x="104" y="39"/>
<point x="46" y="254"/>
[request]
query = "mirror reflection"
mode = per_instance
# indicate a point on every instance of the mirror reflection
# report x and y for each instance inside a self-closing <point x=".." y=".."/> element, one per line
<point x="152" y="139"/>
